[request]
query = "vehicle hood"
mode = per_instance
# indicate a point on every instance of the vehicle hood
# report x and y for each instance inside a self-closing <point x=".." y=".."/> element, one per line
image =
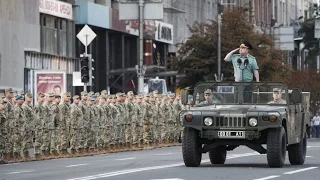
<point x="240" y="108"/>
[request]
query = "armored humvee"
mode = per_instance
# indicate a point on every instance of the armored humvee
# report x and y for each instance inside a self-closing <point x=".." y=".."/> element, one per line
<point x="227" y="115"/>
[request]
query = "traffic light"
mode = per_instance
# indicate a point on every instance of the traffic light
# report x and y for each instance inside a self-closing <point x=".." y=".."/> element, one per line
<point x="84" y="62"/>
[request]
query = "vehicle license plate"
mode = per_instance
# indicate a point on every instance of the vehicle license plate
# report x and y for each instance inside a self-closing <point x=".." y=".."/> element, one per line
<point x="231" y="133"/>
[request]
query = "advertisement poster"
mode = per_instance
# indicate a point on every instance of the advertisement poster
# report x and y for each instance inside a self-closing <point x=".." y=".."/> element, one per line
<point x="50" y="82"/>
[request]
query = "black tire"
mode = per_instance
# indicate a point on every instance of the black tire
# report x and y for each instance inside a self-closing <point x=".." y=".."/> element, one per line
<point x="297" y="152"/>
<point x="218" y="155"/>
<point x="276" y="147"/>
<point x="191" y="147"/>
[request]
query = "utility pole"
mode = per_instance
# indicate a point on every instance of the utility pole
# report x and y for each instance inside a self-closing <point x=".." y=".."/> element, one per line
<point x="141" y="68"/>
<point x="219" y="76"/>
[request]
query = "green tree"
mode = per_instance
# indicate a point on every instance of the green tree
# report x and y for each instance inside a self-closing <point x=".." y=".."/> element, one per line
<point x="311" y="44"/>
<point x="198" y="55"/>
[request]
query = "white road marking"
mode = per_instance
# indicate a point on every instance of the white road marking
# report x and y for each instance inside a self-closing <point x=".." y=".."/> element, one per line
<point x="168" y="179"/>
<point x="117" y="173"/>
<point x="309" y="156"/>
<point x="19" y="172"/>
<point x="268" y="177"/>
<point x="126" y="159"/>
<point x="300" y="170"/>
<point x="75" y="165"/>
<point x="163" y="154"/>
<point x="313" y="146"/>
<point x="10" y="164"/>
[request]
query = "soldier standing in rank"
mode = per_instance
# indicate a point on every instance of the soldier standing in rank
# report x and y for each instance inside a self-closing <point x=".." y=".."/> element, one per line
<point x="47" y="125"/>
<point x="64" y="113"/>
<point x="84" y="131"/>
<point x="39" y="113"/>
<point x="28" y="137"/>
<point x="147" y="120"/>
<point x="3" y="130"/>
<point x="19" y="127"/>
<point x="131" y="117"/>
<point x="76" y="117"/>
<point x="10" y="119"/>
<point x="55" y="140"/>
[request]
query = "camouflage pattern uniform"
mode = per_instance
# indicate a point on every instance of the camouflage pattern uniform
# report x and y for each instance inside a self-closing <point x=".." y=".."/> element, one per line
<point x="28" y="137"/>
<point x="19" y="127"/>
<point x="39" y="113"/>
<point x="75" y="117"/>
<point x="64" y="113"/>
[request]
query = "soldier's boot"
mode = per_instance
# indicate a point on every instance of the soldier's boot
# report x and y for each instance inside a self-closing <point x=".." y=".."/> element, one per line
<point x="26" y="156"/>
<point x="111" y="148"/>
<point x="73" y="153"/>
<point x="48" y="154"/>
<point x="64" y="153"/>
<point x="17" y="157"/>
<point x="101" y="150"/>
<point x="37" y="156"/>
<point x="6" y="157"/>
<point x="81" y="151"/>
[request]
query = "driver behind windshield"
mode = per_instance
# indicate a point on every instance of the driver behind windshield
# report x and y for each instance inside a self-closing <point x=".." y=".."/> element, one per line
<point x="277" y="97"/>
<point x="208" y="96"/>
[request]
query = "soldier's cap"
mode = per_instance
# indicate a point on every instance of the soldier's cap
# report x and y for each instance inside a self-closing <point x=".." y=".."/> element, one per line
<point x="276" y="90"/>
<point x="57" y="96"/>
<point x="102" y="96"/>
<point x="50" y="94"/>
<point x="29" y="95"/>
<point x="156" y="91"/>
<point x="97" y="94"/>
<point x="147" y="95"/>
<point x="130" y="93"/>
<point x="84" y="93"/>
<point x="172" y="95"/>
<point x="190" y="97"/>
<point x="19" y="97"/>
<point x="104" y="92"/>
<point x="246" y="44"/>
<point x="9" y="90"/>
<point x="21" y="92"/>
<point x="111" y="97"/>
<point x="208" y="91"/>
<point x="40" y="94"/>
<point x="75" y="97"/>
<point x="91" y="92"/>
<point x="165" y="93"/>
<point x="68" y="94"/>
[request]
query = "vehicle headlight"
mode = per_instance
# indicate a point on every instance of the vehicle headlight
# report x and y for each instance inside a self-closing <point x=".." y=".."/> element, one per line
<point x="208" y="121"/>
<point x="253" y="122"/>
<point x="271" y="116"/>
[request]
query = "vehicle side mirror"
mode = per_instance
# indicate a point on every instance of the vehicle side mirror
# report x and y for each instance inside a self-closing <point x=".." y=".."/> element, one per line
<point x="296" y="96"/>
<point x="184" y="97"/>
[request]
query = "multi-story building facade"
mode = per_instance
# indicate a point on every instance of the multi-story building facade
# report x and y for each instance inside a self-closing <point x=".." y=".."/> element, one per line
<point x="35" y="35"/>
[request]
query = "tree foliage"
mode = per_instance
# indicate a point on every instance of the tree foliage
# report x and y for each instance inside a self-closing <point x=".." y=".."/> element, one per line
<point x="198" y="55"/>
<point x="311" y="43"/>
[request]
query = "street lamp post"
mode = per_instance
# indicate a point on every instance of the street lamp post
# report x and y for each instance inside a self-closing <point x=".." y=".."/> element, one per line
<point x="141" y="68"/>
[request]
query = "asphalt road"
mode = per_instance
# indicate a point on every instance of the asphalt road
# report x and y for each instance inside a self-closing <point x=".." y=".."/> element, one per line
<point x="163" y="163"/>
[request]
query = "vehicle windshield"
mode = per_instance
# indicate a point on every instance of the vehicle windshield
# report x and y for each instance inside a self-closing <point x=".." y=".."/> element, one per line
<point x="240" y="93"/>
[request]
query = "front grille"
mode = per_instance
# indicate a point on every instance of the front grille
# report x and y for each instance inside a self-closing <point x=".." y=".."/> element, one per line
<point x="230" y="122"/>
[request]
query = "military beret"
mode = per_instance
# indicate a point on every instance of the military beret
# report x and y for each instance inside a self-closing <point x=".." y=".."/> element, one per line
<point x="208" y="91"/>
<point x="19" y="97"/>
<point x="190" y="97"/>
<point x="29" y="95"/>
<point x="246" y="44"/>
<point x="9" y="90"/>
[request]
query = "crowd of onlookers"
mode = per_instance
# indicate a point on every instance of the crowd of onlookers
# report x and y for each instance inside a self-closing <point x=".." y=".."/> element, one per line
<point x="314" y="129"/>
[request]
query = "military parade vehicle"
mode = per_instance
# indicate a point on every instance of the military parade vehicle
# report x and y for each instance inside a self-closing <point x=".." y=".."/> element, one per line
<point x="265" y="116"/>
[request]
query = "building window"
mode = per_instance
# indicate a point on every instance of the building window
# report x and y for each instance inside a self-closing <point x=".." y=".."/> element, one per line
<point x="57" y="36"/>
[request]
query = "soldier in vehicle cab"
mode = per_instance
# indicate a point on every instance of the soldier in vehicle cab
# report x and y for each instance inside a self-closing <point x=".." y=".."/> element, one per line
<point x="277" y="97"/>
<point x="208" y="96"/>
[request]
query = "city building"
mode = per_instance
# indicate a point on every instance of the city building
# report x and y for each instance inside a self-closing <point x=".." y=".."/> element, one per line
<point x="35" y="35"/>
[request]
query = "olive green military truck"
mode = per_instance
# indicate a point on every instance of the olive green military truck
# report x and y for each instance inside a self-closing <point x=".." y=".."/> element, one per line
<point x="264" y="116"/>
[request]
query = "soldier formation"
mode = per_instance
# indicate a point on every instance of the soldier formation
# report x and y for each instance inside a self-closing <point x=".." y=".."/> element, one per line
<point x="93" y="123"/>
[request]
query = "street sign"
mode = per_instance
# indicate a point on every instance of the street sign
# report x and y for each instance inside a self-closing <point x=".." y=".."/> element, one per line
<point x="284" y="38"/>
<point x="86" y="35"/>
